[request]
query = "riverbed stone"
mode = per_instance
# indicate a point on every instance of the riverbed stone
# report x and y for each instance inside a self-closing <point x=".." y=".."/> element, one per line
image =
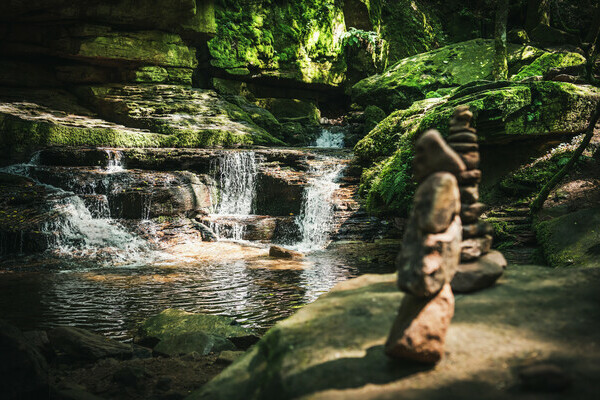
<point x="282" y="252"/>
<point x="479" y="274"/>
<point x="419" y="331"/>
<point x="76" y="344"/>
<point x="172" y="322"/>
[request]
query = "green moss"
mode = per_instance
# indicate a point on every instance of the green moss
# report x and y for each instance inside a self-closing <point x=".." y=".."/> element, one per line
<point x="300" y="39"/>
<point x="412" y="78"/>
<point x="499" y="110"/>
<point x="547" y="61"/>
<point x="572" y="239"/>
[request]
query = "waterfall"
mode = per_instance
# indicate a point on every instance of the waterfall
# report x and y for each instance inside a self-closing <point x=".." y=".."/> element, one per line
<point x="316" y="216"/>
<point x="114" y="161"/>
<point x="330" y="139"/>
<point x="74" y="231"/>
<point x="236" y="174"/>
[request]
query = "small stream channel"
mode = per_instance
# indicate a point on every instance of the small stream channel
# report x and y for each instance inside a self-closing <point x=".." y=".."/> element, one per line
<point x="106" y="270"/>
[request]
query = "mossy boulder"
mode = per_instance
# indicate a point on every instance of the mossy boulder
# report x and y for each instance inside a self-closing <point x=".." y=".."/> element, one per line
<point x="412" y="78"/>
<point x="292" y="110"/>
<point x="572" y="239"/>
<point x="503" y="113"/>
<point x="548" y="61"/>
<point x="334" y="347"/>
<point x="185" y="331"/>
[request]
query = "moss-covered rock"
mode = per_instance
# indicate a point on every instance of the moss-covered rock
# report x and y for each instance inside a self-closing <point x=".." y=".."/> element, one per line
<point x="412" y="78"/>
<point x="184" y="332"/>
<point x="503" y="112"/>
<point x="298" y="40"/>
<point x="292" y="110"/>
<point x="572" y="239"/>
<point x="547" y="61"/>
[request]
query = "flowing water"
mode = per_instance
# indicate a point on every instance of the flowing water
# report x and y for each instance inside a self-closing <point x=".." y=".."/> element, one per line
<point x="235" y="173"/>
<point x="102" y="277"/>
<point x="332" y="137"/>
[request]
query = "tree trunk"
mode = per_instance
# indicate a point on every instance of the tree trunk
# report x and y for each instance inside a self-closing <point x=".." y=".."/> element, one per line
<point x="500" y="70"/>
<point x="538" y="203"/>
<point x="592" y="53"/>
<point x="538" y="13"/>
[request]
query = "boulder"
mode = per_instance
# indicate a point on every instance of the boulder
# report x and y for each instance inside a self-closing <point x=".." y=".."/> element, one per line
<point x="189" y="342"/>
<point x="333" y="348"/>
<point x="282" y="252"/>
<point x="503" y="113"/>
<point x="76" y="344"/>
<point x="171" y="323"/>
<point x="419" y="331"/>
<point x="547" y="61"/>
<point x="412" y="78"/>
<point x="571" y="239"/>
<point x="23" y="370"/>
<point x="479" y="274"/>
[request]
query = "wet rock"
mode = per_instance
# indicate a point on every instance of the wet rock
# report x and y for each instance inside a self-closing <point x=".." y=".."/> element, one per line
<point x="23" y="370"/>
<point x="419" y="330"/>
<point x="281" y="252"/>
<point x="185" y="343"/>
<point x="208" y="235"/>
<point x="171" y="323"/>
<point x="479" y="274"/>
<point x="544" y="378"/>
<point x="76" y="344"/>
<point x="473" y="248"/>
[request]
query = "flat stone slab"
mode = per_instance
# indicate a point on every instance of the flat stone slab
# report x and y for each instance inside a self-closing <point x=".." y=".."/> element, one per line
<point x="333" y="348"/>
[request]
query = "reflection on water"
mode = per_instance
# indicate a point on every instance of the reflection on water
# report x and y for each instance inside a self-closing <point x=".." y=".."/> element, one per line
<point x="224" y="278"/>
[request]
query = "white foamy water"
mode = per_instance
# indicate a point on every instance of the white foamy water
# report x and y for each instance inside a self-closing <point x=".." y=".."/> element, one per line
<point x="114" y="161"/>
<point x="316" y="216"/>
<point x="236" y="174"/>
<point x="330" y="139"/>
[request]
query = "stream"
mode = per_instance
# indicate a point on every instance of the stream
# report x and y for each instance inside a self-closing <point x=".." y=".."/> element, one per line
<point x="106" y="270"/>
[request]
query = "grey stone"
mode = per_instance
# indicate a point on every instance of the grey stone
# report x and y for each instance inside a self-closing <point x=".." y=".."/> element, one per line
<point x="479" y="274"/>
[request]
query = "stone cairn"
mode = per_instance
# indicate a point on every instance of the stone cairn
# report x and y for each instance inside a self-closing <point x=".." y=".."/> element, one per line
<point x="430" y="254"/>
<point x="445" y="247"/>
<point x="479" y="267"/>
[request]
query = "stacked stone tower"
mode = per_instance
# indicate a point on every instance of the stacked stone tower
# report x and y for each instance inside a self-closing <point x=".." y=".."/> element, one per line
<point x="479" y="266"/>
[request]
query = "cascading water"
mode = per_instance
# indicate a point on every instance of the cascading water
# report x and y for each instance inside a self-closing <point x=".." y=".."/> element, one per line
<point x="236" y="174"/>
<point x="77" y="231"/>
<point x="114" y="161"/>
<point x="316" y="216"/>
<point x="330" y="138"/>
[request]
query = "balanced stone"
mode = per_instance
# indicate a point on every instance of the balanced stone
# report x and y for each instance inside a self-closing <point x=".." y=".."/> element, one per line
<point x="469" y="177"/>
<point x="470" y="213"/>
<point x="471" y="159"/>
<point x="464" y="147"/>
<point x="477" y="229"/>
<point x="474" y="248"/>
<point x="432" y="154"/>
<point x="419" y="331"/>
<point x="427" y="262"/>
<point x="469" y="194"/>
<point x="436" y="202"/>
<point x="462" y="136"/>
<point x="479" y="274"/>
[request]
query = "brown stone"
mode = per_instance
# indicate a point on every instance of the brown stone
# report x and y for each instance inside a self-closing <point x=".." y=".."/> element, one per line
<point x="469" y="194"/>
<point x="464" y="147"/>
<point x="469" y="177"/>
<point x="479" y="274"/>
<point x="462" y="136"/>
<point x="432" y="154"/>
<point x="470" y="159"/>
<point x="461" y="118"/>
<point x="281" y="252"/>
<point x="477" y="229"/>
<point x="460" y="129"/>
<point x="474" y="248"/>
<point x="428" y="261"/>
<point x="470" y="213"/>
<point x="436" y="201"/>
<point x="419" y="331"/>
